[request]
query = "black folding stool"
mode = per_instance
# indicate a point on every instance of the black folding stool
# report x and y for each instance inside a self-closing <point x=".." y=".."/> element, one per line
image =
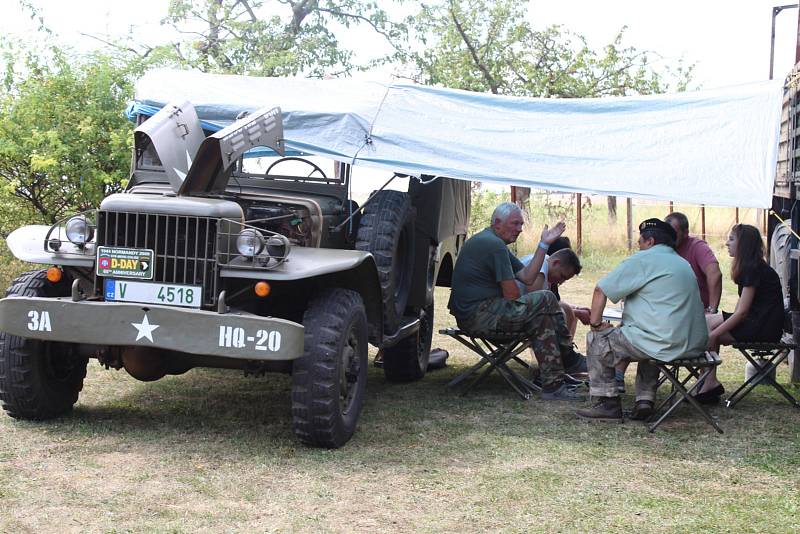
<point x="769" y="355"/>
<point x="495" y="352"/>
<point x="697" y="368"/>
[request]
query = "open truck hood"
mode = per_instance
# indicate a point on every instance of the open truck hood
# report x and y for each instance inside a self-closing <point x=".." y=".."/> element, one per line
<point x="197" y="164"/>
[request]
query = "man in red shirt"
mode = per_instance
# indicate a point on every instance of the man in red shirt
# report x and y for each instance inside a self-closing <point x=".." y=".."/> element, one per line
<point x="701" y="258"/>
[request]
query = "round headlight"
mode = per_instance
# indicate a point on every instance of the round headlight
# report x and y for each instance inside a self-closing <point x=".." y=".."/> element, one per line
<point x="277" y="247"/>
<point x="78" y="230"/>
<point x="250" y="242"/>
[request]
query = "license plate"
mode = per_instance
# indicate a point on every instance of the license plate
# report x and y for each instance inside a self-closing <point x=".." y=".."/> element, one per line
<point x="154" y="293"/>
<point x="123" y="262"/>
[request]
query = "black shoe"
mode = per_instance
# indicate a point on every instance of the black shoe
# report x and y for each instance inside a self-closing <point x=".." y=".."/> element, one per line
<point x="563" y="393"/>
<point x="712" y="396"/>
<point x="642" y="410"/>
<point x="577" y="363"/>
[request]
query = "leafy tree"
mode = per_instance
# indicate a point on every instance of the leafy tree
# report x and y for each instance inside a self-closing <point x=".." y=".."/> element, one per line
<point x="64" y="138"/>
<point x="488" y="46"/>
<point x="276" y="38"/>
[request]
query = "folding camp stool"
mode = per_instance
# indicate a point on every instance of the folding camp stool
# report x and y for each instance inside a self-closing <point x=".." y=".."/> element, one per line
<point x="697" y="368"/>
<point x="769" y="356"/>
<point x="495" y="352"/>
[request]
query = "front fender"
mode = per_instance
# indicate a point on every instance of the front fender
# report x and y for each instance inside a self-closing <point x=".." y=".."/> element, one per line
<point x="302" y="263"/>
<point x="27" y="244"/>
<point x="323" y="267"/>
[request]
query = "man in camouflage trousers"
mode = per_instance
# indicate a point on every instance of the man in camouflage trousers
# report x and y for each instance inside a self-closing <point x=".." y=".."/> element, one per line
<point x="485" y="298"/>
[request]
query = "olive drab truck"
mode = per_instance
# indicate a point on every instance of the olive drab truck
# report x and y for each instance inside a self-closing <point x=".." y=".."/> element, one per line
<point x="783" y="224"/>
<point x="204" y="262"/>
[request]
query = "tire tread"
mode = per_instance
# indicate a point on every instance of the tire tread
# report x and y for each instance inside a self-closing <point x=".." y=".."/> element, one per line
<point x="23" y="392"/>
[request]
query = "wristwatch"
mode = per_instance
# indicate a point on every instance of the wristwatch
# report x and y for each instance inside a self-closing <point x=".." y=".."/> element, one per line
<point x="711" y="309"/>
<point x="596" y="325"/>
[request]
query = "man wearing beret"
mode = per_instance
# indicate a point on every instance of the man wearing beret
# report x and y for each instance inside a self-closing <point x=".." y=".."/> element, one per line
<point x="663" y="319"/>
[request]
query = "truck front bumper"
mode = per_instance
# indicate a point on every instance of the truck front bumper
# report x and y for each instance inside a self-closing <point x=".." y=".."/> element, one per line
<point x="233" y="335"/>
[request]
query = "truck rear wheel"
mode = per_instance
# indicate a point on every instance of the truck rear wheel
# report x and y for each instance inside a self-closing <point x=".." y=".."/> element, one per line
<point x="38" y="379"/>
<point x="408" y="360"/>
<point x="387" y="231"/>
<point x="328" y="381"/>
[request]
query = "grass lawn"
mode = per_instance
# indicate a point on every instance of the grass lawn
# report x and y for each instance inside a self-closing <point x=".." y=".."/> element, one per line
<point x="212" y="451"/>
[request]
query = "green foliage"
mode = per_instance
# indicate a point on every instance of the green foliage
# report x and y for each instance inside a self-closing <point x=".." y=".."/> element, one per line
<point x="275" y="38"/>
<point x="64" y="139"/>
<point x="488" y="46"/>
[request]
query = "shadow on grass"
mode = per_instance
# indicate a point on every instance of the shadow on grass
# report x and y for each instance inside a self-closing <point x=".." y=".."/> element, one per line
<point x="213" y="412"/>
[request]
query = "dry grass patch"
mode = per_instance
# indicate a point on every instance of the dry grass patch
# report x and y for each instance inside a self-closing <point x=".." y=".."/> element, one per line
<point x="212" y="451"/>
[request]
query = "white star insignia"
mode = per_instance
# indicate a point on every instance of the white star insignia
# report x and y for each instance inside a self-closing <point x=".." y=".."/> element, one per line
<point x="145" y="329"/>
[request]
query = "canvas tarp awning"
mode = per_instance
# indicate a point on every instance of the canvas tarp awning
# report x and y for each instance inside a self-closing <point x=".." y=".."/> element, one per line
<point x="715" y="147"/>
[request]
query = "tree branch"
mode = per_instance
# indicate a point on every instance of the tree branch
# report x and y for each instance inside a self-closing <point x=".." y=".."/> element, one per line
<point x="362" y="18"/>
<point x="247" y="7"/>
<point x="118" y="46"/>
<point x="493" y="86"/>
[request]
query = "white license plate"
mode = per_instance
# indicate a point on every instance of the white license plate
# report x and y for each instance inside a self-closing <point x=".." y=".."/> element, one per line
<point x="153" y="293"/>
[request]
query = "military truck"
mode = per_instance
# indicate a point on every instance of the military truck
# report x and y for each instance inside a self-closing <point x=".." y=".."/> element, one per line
<point x="783" y="245"/>
<point x="205" y="262"/>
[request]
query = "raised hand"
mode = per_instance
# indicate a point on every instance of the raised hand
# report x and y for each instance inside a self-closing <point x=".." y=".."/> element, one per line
<point x="551" y="234"/>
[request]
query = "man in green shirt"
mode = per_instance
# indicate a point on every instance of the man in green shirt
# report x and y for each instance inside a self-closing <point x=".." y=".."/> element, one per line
<point x="662" y="319"/>
<point x="485" y="298"/>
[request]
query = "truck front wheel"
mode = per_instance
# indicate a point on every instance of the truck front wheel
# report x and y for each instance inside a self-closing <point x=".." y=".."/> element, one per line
<point x="328" y="381"/>
<point x="38" y="379"/>
<point x="387" y="231"/>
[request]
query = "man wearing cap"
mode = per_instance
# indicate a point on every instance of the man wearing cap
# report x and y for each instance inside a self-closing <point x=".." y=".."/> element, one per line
<point x="704" y="264"/>
<point x="663" y="319"/>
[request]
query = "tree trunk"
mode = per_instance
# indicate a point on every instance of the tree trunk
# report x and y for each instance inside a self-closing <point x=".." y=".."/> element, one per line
<point x="522" y="199"/>
<point x="612" y="210"/>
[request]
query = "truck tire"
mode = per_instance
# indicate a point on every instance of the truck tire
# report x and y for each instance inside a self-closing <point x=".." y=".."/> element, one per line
<point x="408" y="360"/>
<point x="38" y="379"/>
<point x="387" y="231"/>
<point x="328" y="381"/>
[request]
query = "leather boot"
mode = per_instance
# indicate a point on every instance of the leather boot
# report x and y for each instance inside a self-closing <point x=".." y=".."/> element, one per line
<point x="604" y="409"/>
<point x="642" y="410"/>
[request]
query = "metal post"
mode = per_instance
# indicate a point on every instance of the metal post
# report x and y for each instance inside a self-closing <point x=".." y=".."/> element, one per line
<point x="671" y="206"/>
<point x="629" y="217"/>
<point x="703" y="222"/>
<point x="775" y="11"/>
<point x="579" y="223"/>
<point x="736" y="216"/>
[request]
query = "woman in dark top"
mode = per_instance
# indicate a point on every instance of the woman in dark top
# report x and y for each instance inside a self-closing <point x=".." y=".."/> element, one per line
<point x="759" y="312"/>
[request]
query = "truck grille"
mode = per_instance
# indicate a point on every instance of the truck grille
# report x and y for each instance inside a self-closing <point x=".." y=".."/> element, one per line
<point x="183" y="245"/>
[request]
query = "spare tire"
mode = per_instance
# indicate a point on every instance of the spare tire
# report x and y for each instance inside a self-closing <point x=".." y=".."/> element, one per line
<point x="408" y="359"/>
<point x="386" y="229"/>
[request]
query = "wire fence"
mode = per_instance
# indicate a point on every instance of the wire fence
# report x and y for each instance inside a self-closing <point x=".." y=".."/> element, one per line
<point x="593" y="226"/>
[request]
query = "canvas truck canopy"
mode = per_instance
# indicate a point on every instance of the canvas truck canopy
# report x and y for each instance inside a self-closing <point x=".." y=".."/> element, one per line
<point x="715" y="147"/>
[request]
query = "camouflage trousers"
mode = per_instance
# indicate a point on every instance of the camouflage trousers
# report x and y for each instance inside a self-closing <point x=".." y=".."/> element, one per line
<point x="604" y="350"/>
<point x="537" y="313"/>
